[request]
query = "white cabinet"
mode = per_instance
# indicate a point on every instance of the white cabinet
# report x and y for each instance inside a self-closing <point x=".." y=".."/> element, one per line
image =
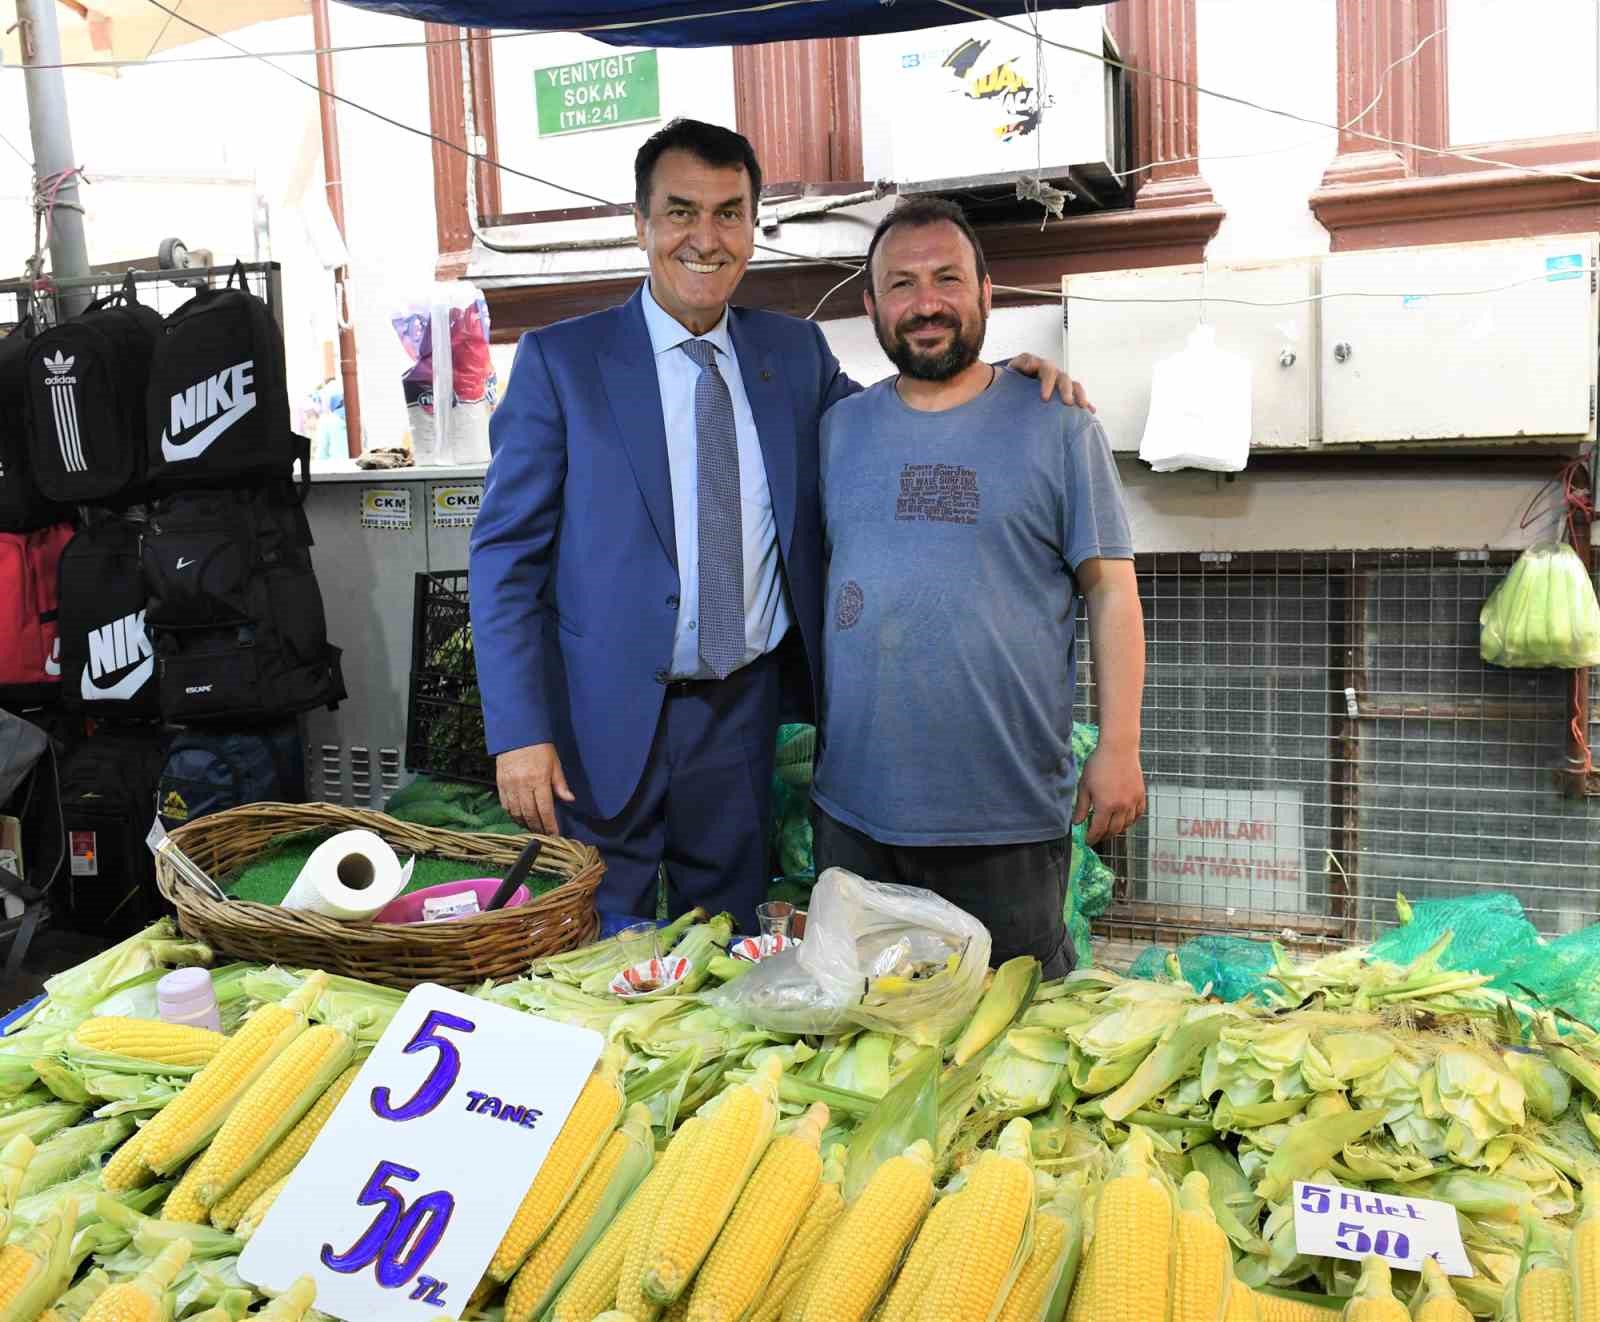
<point x="1460" y="342"/>
<point x="1120" y="324"/>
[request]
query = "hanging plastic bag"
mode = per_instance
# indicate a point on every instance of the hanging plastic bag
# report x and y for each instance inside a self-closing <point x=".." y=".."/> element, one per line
<point x="896" y="958"/>
<point x="1543" y="613"/>
<point x="450" y="383"/>
<point x="1199" y="409"/>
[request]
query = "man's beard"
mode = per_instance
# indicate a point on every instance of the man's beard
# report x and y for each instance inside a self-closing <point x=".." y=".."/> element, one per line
<point x="955" y="358"/>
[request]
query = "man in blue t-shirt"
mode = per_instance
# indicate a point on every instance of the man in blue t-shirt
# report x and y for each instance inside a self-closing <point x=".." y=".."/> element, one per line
<point x="963" y="517"/>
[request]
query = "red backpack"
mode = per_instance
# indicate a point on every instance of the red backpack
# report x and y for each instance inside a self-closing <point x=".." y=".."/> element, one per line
<point x="30" y="655"/>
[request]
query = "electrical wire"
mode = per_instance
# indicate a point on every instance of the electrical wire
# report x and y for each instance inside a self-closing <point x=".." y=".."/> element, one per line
<point x="20" y="154"/>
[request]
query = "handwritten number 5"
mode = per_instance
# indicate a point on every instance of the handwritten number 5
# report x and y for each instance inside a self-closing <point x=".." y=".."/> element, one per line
<point x="440" y="1080"/>
<point x="371" y="1243"/>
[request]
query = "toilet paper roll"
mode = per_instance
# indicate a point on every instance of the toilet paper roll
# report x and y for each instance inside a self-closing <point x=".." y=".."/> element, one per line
<point x="350" y="876"/>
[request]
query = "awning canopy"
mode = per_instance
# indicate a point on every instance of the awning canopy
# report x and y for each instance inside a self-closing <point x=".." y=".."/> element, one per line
<point x="112" y="30"/>
<point x="711" y="22"/>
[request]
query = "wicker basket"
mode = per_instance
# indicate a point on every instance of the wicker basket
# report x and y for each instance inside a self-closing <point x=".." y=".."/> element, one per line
<point x="458" y="953"/>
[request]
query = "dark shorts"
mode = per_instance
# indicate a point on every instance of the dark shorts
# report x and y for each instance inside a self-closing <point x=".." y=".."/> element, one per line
<point x="1018" y="892"/>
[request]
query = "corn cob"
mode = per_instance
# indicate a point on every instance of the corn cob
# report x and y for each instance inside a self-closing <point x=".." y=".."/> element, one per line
<point x="147" y="1039"/>
<point x="1436" y="1301"/>
<point x="729" y="1146"/>
<point x="270" y="1108"/>
<point x="126" y="1170"/>
<point x="865" y="1247"/>
<point x="1373" y="1300"/>
<point x="1126" y="1269"/>
<point x="1585" y="1254"/>
<point x="812" y="1234"/>
<point x="143" y="1299"/>
<point x="1241" y="1304"/>
<point x="679" y="1156"/>
<point x="256" y="1213"/>
<point x="1202" y="1264"/>
<point x="679" y="1312"/>
<point x="71" y="1306"/>
<point x="291" y="1305"/>
<point x="592" y="1289"/>
<point x="187" y="1122"/>
<point x="594" y="1116"/>
<point x="36" y="1264"/>
<point x="990" y="1238"/>
<point x="1275" y="1308"/>
<point x="14" y="1160"/>
<point x="927" y="1251"/>
<point x="183" y="1203"/>
<point x="623" y="1163"/>
<point x="1544" y="1287"/>
<point x="282" y="1160"/>
<point x="763" y="1223"/>
<point x="1045" y="1282"/>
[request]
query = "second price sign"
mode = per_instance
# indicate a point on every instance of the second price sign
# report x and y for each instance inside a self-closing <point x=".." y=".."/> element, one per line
<point x="400" y="1203"/>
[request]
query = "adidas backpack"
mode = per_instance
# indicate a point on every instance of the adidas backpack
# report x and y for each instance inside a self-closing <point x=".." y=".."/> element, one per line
<point x="22" y="505"/>
<point x="108" y="666"/>
<point x="219" y="398"/>
<point x="85" y="385"/>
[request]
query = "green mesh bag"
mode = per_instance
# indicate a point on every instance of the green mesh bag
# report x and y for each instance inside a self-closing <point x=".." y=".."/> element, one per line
<point x="1232" y="967"/>
<point x="791" y="801"/>
<point x="1489" y="933"/>
<point x="1564" y="974"/>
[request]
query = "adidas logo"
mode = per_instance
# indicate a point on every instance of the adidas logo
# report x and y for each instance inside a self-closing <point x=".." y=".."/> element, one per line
<point x="56" y="367"/>
<point x="219" y="401"/>
<point x="114" y="647"/>
<point x="64" y="409"/>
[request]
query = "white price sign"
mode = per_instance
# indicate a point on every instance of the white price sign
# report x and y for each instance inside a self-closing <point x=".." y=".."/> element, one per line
<point x="400" y="1203"/>
<point x="1330" y="1222"/>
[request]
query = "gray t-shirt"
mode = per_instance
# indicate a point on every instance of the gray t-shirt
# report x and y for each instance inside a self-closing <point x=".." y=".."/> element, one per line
<point x="948" y="652"/>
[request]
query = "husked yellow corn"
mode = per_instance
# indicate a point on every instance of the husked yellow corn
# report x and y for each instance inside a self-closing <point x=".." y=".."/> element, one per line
<point x="679" y="1312"/>
<point x="812" y="1234"/>
<point x="142" y="1298"/>
<point x="148" y="1039"/>
<point x="270" y="1108"/>
<point x="21" y="1262"/>
<point x="1374" y="1300"/>
<point x="678" y="1157"/>
<point x="126" y="1169"/>
<point x="1544" y="1294"/>
<point x="991" y="1228"/>
<point x="593" y="1118"/>
<point x="1127" y="1267"/>
<point x="1273" y="1308"/>
<point x="182" y="1203"/>
<point x="1036" y="1282"/>
<point x="1584" y="1255"/>
<point x="256" y="1213"/>
<point x="927" y="1251"/>
<point x="1439" y="1302"/>
<point x="283" y="1158"/>
<point x="865" y="1247"/>
<point x="1202" y="1265"/>
<point x="292" y="1304"/>
<point x="735" y="1135"/>
<point x="187" y="1122"/>
<point x="592" y="1289"/>
<point x="763" y="1223"/>
<point x="1241" y="1304"/>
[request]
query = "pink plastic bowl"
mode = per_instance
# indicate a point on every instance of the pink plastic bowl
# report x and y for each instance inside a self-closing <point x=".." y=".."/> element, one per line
<point x="408" y="908"/>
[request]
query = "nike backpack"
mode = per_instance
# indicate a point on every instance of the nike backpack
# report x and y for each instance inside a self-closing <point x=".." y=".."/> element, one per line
<point x="108" y="803"/>
<point x="22" y="505"/>
<point x="208" y="772"/>
<point x="108" y="666"/>
<point x="30" y="646"/>
<point x="219" y="397"/>
<point x="86" y="381"/>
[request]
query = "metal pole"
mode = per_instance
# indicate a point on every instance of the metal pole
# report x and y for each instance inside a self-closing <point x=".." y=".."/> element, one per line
<point x="333" y="173"/>
<point x="52" y="143"/>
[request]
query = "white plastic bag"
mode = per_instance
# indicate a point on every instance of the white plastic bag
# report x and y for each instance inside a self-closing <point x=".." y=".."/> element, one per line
<point x="1199" y="409"/>
<point x="450" y="384"/>
<point x="897" y="958"/>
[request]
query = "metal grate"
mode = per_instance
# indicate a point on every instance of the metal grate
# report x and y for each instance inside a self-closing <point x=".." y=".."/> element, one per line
<point x="1320" y="733"/>
<point x="164" y="291"/>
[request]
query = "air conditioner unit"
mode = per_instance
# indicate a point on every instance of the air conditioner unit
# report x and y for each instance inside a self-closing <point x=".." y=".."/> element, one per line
<point x="977" y="105"/>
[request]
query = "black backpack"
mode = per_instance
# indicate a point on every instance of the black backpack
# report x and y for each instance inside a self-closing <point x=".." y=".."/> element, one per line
<point x="108" y="802"/>
<point x="22" y="506"/>
<point x="205" y="772"/>
<point x="86" y="385"/>
<point x="219" y="397"/>
<point x="108" y="665"/>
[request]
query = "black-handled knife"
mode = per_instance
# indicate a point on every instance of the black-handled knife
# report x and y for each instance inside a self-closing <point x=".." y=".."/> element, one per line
<point x="518" y="874"/>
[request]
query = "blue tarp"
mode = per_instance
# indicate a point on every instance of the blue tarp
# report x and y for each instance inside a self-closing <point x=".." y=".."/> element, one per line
<point x="708" y="22"/>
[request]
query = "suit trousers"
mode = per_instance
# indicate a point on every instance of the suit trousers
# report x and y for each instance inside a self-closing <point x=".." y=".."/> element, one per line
<point x="703" y="806"/>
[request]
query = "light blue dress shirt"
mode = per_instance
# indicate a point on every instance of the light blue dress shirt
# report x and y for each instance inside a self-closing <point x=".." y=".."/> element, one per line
<point x="766" y="613"/>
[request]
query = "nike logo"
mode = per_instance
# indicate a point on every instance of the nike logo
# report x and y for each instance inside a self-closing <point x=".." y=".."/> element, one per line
<point x="126" y="687"/>
<point x="182" y="563"/>
<point x="175" y="451"/>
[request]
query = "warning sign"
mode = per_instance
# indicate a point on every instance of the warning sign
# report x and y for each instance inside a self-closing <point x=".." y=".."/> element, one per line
<point x="386" y="507"/>
<point x="1229" y="848"/>
<point x="456" y="507"/>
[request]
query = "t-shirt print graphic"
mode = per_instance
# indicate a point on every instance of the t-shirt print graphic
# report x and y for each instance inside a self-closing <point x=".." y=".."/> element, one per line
<point x="938" y="493"/>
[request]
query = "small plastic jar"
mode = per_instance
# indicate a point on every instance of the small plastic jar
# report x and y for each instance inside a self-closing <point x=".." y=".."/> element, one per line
<point x="186" y="996"/>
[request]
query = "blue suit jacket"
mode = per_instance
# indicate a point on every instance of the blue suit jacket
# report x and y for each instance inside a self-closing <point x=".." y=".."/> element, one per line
<point x="574" y="575"/>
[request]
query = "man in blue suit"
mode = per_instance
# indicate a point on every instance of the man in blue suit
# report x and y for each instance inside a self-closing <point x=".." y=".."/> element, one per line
<point x="646" y="566"/>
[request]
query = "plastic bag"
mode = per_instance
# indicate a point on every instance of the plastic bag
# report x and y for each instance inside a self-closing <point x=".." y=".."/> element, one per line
<point x="896" y="958"/>
<point x="1199" y="409"/>
<point x="1542" y="613"/>
<point x="450" y="383"/>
